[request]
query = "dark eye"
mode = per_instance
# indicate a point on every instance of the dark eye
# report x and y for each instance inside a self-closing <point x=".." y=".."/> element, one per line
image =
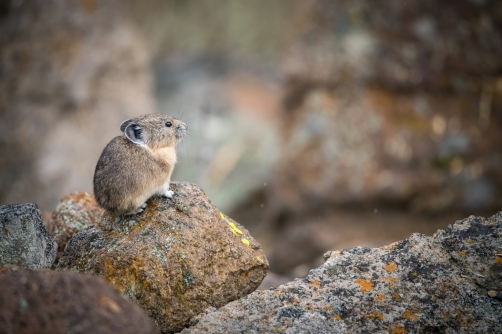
<point x="169" y="124"/>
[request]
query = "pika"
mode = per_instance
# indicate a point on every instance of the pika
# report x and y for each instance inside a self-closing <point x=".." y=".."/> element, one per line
<point x="138" y="165"/>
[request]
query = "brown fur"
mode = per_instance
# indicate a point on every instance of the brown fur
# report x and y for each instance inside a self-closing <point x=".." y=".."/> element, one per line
<point x="127" y="173"/>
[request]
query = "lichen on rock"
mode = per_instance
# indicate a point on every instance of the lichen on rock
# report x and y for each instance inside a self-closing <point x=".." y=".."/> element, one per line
<point x="176" y="259"/>
<point x="420" y="285"/>
<point x="24" y="241"/>
<point x="74" y="213"/>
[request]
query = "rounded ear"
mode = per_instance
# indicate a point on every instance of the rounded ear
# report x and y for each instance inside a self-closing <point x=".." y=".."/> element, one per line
<point x="135" y="134"/>
<point x="124" y="124"/>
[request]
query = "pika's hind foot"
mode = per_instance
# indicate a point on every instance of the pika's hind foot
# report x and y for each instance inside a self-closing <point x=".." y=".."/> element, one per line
<point x="138" y="210"/>
<point x="168" y="194"/>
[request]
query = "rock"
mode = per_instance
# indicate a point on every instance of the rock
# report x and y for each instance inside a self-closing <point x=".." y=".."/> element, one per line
<point x="24" y="241"/>
<point x="412" y="286"/>
<point x="62" y="302"/>
<point x="175" y="259"/>
<point x="72" y="72"/>
<point x="492" y="293"/>
<point x="377" y="108"/>
<point x="74" y="213"/>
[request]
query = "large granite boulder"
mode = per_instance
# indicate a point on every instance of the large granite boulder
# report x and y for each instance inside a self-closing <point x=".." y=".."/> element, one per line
<point x="62" y="302"/>
<point x="24" y="241"/>
<point x="448" y="283"/>
<point x="71" y="71"/>
<point x="177" y="258"/>
<point x="74" y="213"/>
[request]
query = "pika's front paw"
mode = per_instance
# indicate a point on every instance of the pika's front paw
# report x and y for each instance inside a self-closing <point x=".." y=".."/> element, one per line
<point x="168" y="194"/>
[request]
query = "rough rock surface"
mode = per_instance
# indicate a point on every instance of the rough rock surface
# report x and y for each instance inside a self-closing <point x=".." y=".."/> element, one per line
<point x="71" y="71"/>
<point x="24" y="241"/>
<point x="74" y="213"/>
<point x="177" y="258"/>
<point x="62" y="302"/>
<point x="423" y="284"/>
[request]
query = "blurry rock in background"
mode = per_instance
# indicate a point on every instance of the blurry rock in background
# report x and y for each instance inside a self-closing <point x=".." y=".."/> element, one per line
<point x="71" y="72"/>
<point x="390" y="125"/>
<point x="318" y="125"/>
<point x="394" y="101"/>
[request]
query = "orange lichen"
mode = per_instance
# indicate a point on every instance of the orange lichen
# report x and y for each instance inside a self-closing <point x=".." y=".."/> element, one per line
<point x="412" y="314"/>
<point x="498" y="258"/>
<point x="328" y="308"/>
<point x="391" y="266"/>
<point x="396" y="296"/>
<point x="365" y="284"/>
<point x="337" y="317"/>
<point x="375" y="315"/>
<point x="379" y="298"/>
<point x="389" y="247"/>
<point x="316" y="283"/>
<point x="463" y="253"/>
<point x="399" y="329"/>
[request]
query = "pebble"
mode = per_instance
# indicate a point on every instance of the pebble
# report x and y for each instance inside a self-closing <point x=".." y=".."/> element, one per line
<point x="492" y="293"/>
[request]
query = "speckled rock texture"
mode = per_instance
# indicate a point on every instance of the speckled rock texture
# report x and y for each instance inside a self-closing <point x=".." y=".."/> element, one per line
<point x="74" y="213"/>
<point x="52" y="302"/>
<point x="177" y="258"/>
<point x="423" y="284"/>
<point x="24" y="241"/>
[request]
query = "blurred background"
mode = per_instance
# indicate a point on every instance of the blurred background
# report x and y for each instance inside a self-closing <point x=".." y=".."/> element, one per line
<point x="318" y="125"/>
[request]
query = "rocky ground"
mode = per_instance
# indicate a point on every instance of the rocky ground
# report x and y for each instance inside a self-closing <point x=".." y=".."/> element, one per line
<point x="191" y="268"/>
<point x="449" y="283"/>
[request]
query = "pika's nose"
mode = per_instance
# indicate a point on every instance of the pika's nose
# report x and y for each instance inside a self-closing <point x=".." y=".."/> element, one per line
<point x="182" y="127"/>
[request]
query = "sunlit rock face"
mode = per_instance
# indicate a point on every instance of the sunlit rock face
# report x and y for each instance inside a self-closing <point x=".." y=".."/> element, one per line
<point x="176" y="259"/>
<point x="390" y="101"/>
<point x="71" y="72"/>
<point x="448" y="283"/>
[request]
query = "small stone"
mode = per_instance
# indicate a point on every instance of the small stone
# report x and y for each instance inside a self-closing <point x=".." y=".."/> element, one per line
<point x="492" y="293"/>
<point x="74" y="213"/>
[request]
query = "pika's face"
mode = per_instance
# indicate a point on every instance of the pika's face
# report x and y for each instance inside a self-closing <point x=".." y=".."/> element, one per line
<point x="154" y="130"/>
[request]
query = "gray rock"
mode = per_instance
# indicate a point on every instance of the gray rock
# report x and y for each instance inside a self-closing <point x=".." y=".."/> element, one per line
<point x="24" y="241"/>
<point x="420" y="285"/>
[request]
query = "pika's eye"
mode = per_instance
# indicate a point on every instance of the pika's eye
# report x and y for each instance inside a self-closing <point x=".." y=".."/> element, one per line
<point x="169" y="124"/>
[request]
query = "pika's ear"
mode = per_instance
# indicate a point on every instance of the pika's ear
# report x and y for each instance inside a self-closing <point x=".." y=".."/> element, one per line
<point x="134" y="133"/>
<point x="124" y="124"/>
